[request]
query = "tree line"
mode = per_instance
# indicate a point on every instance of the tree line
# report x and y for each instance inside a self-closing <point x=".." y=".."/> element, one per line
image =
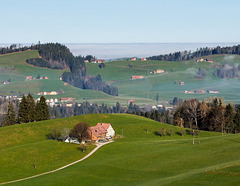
<point x="188" y="55"/>
<point x="27" y="111"/>
<point x="211" y="115"/>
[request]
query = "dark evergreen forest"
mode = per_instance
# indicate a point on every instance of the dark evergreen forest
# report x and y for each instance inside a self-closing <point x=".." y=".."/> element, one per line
<point x="188" y="55"/>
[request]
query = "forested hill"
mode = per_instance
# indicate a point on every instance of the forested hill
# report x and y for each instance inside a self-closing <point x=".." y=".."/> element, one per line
<point x="57" y="56"/>
<point x="188" y="55"/>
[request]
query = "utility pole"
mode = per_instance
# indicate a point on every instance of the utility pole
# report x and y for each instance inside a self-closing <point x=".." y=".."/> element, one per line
<point x="122" y="132"/>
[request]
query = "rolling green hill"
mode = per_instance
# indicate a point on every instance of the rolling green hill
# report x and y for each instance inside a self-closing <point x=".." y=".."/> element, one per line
<point x="167" y="85"/>
<point x="13" y="67"/>
<point x="142" y="91"/>
<point x="140" y="158"/>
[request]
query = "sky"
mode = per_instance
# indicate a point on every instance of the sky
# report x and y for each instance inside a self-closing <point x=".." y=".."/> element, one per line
<point x="119" y="21"/>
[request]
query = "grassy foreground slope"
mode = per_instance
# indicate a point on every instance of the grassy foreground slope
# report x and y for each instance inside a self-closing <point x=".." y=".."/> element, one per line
<point x="140" y="158"/>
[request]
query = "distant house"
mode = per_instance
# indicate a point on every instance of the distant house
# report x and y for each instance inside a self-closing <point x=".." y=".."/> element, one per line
<point x="213" y="91"/>
<point x="53" y="93"/>
<point x="131" y="101"/>
<point x="40" y="93"/>
<point x="65" y="83"/>
<point x="143" y="59"/>
<point x="200" y="92"/>
<point x="181" y="83"/>
<point x="69" y="104"/>
<point x="137" y="77"/>
<point x="100" y="61"/>
<point x="189" y="92"/>
<point x="209" y="60"/>
<point x="28" y="77"/>
<point x="86" y="61"/>
<point x="200" y="60"/>
<point x="133" y="59"/>
<point x="158" y="71"/>
<point x="101" y="131"/>
<point x="71" y="140"/>
<point x="67" y="99"/>
<point x="5" y="82"/>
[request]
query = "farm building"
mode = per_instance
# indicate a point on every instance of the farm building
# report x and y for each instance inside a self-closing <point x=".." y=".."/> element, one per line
<point x="181" y="83"/>
<point x="137" y="77"/>
<point x="143" y="59"/>
<point x="67" y="99"/>
<point x="47" y="93"/>
<point x="209" y="60"/>
<point x="5" y="82"/>
<point x="131" y="101"/>
<point x="101" y="131"/>
<point x="28" y="77"/>
<point x="189" y="92"/>
<point x="44" y="77"/>
<point x="200" y="60"/>
<point x="100" y="61"/>
<point x="213" y="91"/>
<point x="200" y="92"/>
<point x="133" y="59"/>
<point x="158" y="71"/>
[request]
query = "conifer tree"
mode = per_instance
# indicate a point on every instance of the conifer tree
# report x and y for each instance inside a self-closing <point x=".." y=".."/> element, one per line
<point x="10" y="117"/>
<point x="237" y="120"/>
<point x="42" y="112"/>
<point x="23" y="111"/>
<point x="229" y="117"/>
<point x="31" y="108"/>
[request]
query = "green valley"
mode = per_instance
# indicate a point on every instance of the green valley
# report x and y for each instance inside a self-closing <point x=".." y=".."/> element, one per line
<point x="139" y="158"/>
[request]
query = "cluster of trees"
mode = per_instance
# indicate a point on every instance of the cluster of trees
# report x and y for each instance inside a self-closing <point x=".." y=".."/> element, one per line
<point x="79" y="131"/>
<point x="55" y="56"/>
<point x="28" y="111"/>
<point x="210" y="114"/>
<point x="227" y="71"/>
<point x="187" y="55"/>
<point x="87" y="108"/>
<point x="13" y="48"/>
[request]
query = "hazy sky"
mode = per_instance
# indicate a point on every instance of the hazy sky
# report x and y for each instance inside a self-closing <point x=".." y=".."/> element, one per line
<point x="119" y="21"/>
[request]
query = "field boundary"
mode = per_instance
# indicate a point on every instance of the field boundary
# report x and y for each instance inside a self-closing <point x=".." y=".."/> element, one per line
<point x="63" y="167"/>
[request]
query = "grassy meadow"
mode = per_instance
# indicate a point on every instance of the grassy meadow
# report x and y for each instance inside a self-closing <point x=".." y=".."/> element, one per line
<point x="118" y="73"/>
<point x="14" y="67"/>
<point x="139" y="158"/>
<point x="167" y="85"/>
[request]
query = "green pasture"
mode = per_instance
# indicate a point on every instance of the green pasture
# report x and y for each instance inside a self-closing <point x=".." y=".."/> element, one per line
<point x="167" y="85"/>
<point x="139" y="158"/>
<point x="118" y="73"/>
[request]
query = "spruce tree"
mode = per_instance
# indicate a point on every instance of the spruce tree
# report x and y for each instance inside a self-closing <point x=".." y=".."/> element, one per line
<point x="10" y="117"/>
<point x="237" y="120"/>
<point x="31" y="108"/>
<point x="42" y="112"/>
<point x="229" y="117"/>
<point x="23" y="111"/>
